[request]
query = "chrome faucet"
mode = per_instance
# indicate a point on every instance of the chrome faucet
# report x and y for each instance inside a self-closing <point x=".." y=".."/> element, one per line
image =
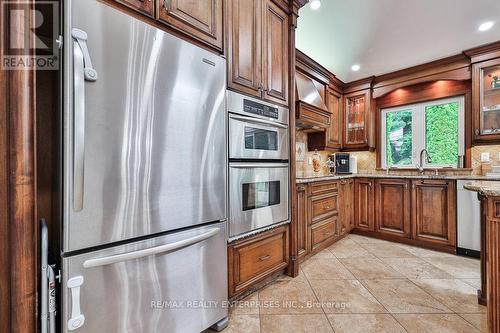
<point x="427" y="158"/>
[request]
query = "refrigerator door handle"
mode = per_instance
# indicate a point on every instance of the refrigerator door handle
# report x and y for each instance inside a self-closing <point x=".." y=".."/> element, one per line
<point x="78" y="127"/>
<point x="150" y="251"/>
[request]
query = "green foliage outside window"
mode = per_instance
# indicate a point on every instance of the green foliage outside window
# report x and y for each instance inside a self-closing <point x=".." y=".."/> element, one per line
<point x="399" y="138"/>
<point x="441" y="124"/>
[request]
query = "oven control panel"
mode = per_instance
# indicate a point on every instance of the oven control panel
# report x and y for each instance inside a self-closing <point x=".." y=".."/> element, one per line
<point x="260" y="109"/>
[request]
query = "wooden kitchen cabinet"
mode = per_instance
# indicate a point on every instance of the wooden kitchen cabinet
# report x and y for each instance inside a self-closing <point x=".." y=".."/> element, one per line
<point x="392" y="207"/>
<point x="302" y="223"/>
<point x="323" y="232"/>
<point x="356" y="119"/>
<point x="201" y="19"/>
<point x="322" y="206"/>
<point x="257" y="33"/>
<point x="364" y="205"/>
<point x="346" y="206"/>
<point x="253" y="259"/>
<point x="145" y="7"/>
<point x="434" y="212"/>
<point x="331" y="138"/>
<point x="486" y="101"/>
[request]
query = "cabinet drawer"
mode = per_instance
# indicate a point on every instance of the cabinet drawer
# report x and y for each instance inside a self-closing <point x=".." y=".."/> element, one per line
<point x="323" y="231"/>
<point x="253" y="259"/>
<point x="321" y="188"/>
<point x="323" y="206"/>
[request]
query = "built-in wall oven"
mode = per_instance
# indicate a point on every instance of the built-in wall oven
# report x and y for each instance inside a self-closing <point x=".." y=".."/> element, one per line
<point x="258" y="164"/>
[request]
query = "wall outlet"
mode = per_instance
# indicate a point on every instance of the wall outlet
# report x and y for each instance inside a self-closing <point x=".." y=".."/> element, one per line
<point x="485" y="157"/>
<point x="310" y="161"/>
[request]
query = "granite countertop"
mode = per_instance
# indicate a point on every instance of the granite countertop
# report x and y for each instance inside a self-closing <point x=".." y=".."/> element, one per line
<point x="486" y="188"/>
<point x="311" y="178"/>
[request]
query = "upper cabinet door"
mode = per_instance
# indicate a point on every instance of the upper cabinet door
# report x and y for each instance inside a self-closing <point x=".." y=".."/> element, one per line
<point x="201" y="19"/>
<point x="357" y="118"/>
<point x="334" y="132"/>
<point x="244" y="49"/>
<point x="486" y="101"/>
<point x="275" y="34"/>
<point x="144" y="6"/>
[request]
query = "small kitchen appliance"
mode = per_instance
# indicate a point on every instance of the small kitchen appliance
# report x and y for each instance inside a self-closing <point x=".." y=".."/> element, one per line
<point x="342" y="162"/>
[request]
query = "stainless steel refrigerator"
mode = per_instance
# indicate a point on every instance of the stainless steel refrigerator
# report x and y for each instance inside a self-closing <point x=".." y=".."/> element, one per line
<point x="144" y="177"/>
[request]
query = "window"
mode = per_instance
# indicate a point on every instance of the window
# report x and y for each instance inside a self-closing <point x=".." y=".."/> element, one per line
<point x="437" y="127"/>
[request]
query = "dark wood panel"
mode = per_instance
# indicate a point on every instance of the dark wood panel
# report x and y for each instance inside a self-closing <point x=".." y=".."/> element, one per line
<point x="302" y="223"/>
<point x="253" y="259"/>
<point x="364" y="203"/>
<point x="322" y="206"/>
<point x="276" y="53"/>
<point x="201" y="19"/>
<point x="244" y="47"/>
<point x="434" y="211"/>
<point x="493" y="263"/>
<point x="392" y="207"/>
<point x="145" y="7"/>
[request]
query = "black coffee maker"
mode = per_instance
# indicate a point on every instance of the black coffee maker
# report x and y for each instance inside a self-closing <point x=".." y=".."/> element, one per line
<point x="340" y="163"/>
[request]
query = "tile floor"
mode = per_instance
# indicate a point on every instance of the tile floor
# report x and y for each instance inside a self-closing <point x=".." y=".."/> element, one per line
<point x="367" y="285"/>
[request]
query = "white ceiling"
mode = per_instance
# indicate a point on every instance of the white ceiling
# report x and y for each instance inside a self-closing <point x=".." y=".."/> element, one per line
<point x="387" y="35"/>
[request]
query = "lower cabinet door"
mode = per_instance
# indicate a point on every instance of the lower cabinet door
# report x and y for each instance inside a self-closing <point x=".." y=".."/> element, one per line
<point x="253" y="259"/>
<point x="302" y="222"/>
<point x="323" y="231"/>
<point x="363" y="210"/>
<point x="392" y="207"/>
<point x="434" y="211"/>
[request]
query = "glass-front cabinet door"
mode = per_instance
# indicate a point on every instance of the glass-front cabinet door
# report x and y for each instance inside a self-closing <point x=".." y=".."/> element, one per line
<point x="357" y="109"/>
<point x="486" y="100"/>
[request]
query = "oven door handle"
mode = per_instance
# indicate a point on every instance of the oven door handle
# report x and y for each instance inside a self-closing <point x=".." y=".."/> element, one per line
<point x="258" y="121"/>
<point x="250" y="165"/>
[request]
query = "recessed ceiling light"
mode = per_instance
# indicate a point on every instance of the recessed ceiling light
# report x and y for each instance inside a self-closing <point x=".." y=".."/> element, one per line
<point x="355" y="68"/>
<point x="315" y="4"/>
<point x="486" y="26"/>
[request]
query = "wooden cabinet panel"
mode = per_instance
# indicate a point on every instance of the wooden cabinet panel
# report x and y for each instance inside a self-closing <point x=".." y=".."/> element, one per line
<point x="334" y="132"/>
<point x="323" y="206"/>
<point x="255" y="258"/>
<point x="323" y="231"/>
<point x="322" y="188"/>
<point x="202" y="19"/>
<point x="434" y="211"/>
<point x="344" y="207"/>
<point x="275" y="55"/>
<point x="350" y="204"/>
<point x="143" y="6"/>
<point x="364" y="211"/>
<point x="356" y="119"/>
<point x="302" y="223"/>
<point x="244" y="49"/>
<point x="392" y="207"/>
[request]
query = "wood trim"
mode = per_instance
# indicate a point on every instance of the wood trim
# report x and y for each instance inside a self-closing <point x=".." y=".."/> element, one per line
<point x="358" y="85"/>
<point x="22" y="237"/>
<point x="484" y="52"/>
<point x="493" y="263"/>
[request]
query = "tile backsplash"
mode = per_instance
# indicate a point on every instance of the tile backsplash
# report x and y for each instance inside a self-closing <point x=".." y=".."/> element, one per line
<point x="367" y="161"/>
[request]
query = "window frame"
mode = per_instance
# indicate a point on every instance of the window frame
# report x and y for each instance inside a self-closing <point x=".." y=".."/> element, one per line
<point x="418" y="128"/>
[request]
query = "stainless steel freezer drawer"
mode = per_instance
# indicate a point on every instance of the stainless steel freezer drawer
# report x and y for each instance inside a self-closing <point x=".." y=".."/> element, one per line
<point x="172" y="283"/>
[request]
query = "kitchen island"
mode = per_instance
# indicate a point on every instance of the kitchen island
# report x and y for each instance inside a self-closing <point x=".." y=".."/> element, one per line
<point x="489" y="194"/>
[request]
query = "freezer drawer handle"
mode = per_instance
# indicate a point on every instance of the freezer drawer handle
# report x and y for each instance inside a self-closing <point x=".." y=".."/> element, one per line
<point x="77" y="318"/>
<point x="151" y="251"/>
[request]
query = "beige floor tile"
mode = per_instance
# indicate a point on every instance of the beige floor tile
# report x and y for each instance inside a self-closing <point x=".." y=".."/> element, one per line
<point x="345" y="296"/>
<point x="346" y="240"/>
<point x="288" y="297"/>
<point x="402" y="296"/>
<point x="435" y="323"/>
<point x="349" y="250"/>
<point x="366" y="240"/>
<point x="388" y="251"/>
<point x="365" y="323"/>
<point x="476" y="283"/>
<point x="247" y="306"/>
<point x="325" y="254"/>
<point x="317" y="323"/>
<point x="325" y="269"/>
<point x="478" y="320"/>
<point x="243" y="323"/>
<point x="455" y="294"/>
<point x="370" y="269"/>
<point x="416" y="268"/>
<point x="425" y="253"/>
<point x="462" y="268"/>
